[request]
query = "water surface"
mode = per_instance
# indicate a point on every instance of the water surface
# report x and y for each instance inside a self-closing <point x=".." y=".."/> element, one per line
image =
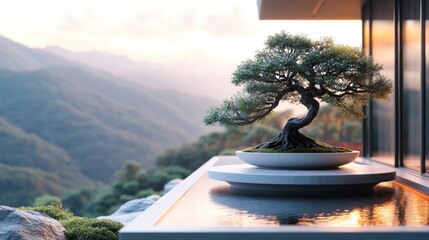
<point x="213" y="203"/>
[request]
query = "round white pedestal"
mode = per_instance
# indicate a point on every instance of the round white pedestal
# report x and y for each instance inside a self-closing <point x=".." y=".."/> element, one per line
<point x="349" y="177"/>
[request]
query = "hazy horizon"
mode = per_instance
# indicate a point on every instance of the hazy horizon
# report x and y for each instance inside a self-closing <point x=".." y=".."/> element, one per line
<point x="202" y="40"/>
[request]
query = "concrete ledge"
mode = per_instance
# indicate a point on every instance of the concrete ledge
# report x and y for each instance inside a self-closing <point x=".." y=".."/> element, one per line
<point x="145" y="226"/>
<point x="349" y="174"/>
<point x="405" y="176"/>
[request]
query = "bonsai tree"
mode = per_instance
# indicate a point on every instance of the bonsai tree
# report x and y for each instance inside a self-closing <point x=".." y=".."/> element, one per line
<point x="298" y="69"/>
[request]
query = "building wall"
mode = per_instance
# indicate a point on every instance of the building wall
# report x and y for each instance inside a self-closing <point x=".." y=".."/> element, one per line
<point x="395" y="35"/>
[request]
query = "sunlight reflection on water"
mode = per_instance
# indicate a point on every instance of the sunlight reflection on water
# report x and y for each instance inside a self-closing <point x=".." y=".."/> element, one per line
<point x="212" y="203"/>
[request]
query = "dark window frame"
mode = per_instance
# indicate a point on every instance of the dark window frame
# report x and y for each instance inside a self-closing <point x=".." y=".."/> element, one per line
<point x="423" y="83"/>
<point x="367" y="15"/>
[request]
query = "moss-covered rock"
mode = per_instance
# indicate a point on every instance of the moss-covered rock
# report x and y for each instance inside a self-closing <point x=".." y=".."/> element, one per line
<point x="28" y="225"/>
<point x="80" y="228"/>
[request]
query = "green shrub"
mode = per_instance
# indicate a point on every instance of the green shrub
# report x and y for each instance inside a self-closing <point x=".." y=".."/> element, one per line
<point x="125" y="198"/>
<point x="46" y="200"/>
<point x="89" y="233"/>
<point x="81" y="228"/>
<point x="130" y="187"/>
<point x="177" y="172"/>
<point x="54" y="211"/>
<point x="158" y="180"/>
<point x="146" y="193"/>
<point x="227" y="152"/>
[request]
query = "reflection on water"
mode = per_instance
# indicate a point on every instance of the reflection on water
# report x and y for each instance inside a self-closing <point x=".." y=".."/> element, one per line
<point x="212" y="203"/>
<point x="349" y="210"/>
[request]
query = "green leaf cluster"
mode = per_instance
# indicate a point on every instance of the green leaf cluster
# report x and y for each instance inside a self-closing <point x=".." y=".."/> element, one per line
<point x="292" y="65"/>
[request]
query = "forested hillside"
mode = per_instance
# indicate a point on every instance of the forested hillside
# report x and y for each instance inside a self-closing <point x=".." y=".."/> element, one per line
<point x="135" y="181"/>
<point x="64" y="125"/>
<point x="66" y="129"/>
<point x="329" y="126"/>
<point x="31" y="166"/>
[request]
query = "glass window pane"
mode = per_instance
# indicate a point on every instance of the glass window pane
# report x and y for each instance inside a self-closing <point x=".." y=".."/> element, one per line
<point x="411" y="115"/>
<point x="427" y="84"/>
<point x="382" y="112"/>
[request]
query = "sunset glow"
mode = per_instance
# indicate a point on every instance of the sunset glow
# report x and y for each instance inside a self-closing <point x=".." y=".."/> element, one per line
<point x="203" y="37"/>
<point x="155" y="30"/>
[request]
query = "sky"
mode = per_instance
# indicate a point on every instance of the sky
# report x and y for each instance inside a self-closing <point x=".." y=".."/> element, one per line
<point x="209" y="35"/>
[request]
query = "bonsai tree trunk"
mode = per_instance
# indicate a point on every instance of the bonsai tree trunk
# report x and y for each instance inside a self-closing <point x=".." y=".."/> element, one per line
<point x="290" y="137"/>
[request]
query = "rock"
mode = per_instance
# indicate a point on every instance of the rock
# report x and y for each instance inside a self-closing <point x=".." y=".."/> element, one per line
<point x="131" y="209"/>
<point x="171" y="184"/>
<point x="154" y="197"/>
<point x="18" y="224"/>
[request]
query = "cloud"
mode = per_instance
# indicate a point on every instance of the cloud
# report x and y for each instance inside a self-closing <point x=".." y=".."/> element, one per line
<point x="158" y="31"/>
<point x="69" y="22"/>
<point x="150" y="23"/>
<point x="233" y="23"/>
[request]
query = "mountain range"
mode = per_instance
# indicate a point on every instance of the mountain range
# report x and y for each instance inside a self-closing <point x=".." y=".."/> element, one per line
<point x="65" y="124"/>
<point x="210" y="78"/>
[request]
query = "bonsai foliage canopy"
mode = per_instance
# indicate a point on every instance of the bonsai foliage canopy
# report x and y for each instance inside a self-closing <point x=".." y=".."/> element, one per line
<point x="296" y="68"/>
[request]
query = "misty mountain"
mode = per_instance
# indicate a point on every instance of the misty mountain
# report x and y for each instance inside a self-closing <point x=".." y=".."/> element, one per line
<point x="30" y="166"/>
<point x="64" y="124"/>
<point x="208" y="78"/>
<point x="122" y="66"/>
<point x="17" y="57"/>
<point x="96" y="120"/>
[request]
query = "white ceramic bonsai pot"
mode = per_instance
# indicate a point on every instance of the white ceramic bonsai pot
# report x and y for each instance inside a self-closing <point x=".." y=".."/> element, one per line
<point x="298" y="160"/>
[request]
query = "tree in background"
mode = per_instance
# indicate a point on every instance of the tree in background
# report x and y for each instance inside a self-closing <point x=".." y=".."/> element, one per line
<point x="46" y="200"/>
<point x="192" y="156"/>
<point x="132" y="182"/>
<point x="332" y="127"/>
<point x="298" y="69"/>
